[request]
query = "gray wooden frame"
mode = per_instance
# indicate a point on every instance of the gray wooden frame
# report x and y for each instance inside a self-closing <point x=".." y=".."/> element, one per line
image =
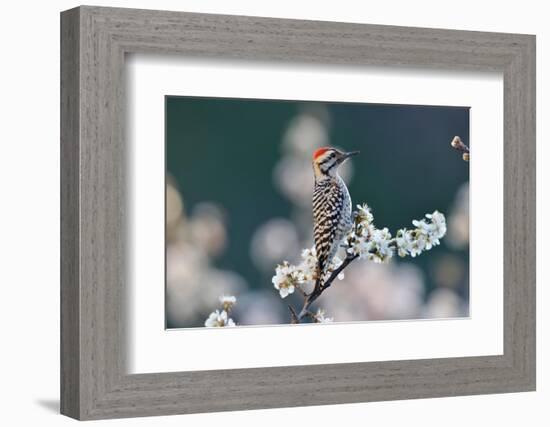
<point x="94" y="41"/>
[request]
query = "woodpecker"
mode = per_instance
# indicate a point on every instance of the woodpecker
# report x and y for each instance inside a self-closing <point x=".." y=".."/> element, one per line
<point x="332" y="217"/>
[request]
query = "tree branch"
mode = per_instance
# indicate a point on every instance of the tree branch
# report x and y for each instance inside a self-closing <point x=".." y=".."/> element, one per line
<point x="320" y="289"/>
<point x="458" y="145"/>
<point x="358" y="244"/>
<point x="293" y="316"/>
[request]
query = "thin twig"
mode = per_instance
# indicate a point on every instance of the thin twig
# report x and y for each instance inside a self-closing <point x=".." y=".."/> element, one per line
<point x="304" y="293"/>
<point x="293" y="317"/>
<point x="458" y="145"/>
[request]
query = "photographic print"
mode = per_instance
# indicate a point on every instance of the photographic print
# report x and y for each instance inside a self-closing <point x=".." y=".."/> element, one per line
<point x="285" y="212"/>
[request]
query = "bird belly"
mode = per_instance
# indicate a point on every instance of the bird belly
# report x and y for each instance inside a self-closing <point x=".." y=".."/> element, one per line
<point x="343" y="227"/>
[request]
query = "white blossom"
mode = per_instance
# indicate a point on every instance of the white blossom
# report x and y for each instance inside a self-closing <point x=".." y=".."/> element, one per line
<point x="227" y="302"/>
<point x="360" y="246"/>
<point x="403" y="242"/>
<point x="308" y="266"/>
<point x="218" y="319"/>
<point x="424" y="237"/>
<point x="286" y="278"/>
<point x="371" y="244"/>
<point x="364" y="215"/>
<point x="418" y="243"/>
<point x="321" y="318"/>
<point x="381" y="240"/>
<point x="439" y="224"/>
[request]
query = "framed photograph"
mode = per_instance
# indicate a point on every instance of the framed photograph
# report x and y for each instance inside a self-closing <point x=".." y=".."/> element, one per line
<point x="261" y="213"/>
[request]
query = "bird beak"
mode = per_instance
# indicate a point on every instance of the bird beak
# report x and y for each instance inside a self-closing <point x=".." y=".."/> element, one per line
<point x="351" y="154"/>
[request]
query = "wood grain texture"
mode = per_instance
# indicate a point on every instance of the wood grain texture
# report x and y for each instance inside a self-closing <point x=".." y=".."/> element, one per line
<point x="70" y="292"/>
<point x="94" y="272"/>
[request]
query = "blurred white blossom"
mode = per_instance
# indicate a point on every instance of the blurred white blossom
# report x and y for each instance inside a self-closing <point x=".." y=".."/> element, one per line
<point x="191" y="243"/>
<point x="272" y="241"/>
<point x="293" y="175"/>
<point x="444" y="303"/>
<point x="260" y="307"/>
<point x="459" y="219"/>
<point x="174" y="209"/>
<point x="207" y="228"/>
<point x="293" y="178"/>
<point x="374" y="291"/>
<point x="305" y="133"/>
<point x="320" y="317"/>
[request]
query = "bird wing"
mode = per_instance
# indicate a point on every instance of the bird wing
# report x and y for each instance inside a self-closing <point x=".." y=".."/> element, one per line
<point x="327" y="214"/>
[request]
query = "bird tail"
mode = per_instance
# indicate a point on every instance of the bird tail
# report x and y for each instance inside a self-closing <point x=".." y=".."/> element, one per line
<point x="319" y="280"/>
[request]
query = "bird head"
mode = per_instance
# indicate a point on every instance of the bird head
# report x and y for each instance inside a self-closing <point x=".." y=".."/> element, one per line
<point x="327" y="159"/>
